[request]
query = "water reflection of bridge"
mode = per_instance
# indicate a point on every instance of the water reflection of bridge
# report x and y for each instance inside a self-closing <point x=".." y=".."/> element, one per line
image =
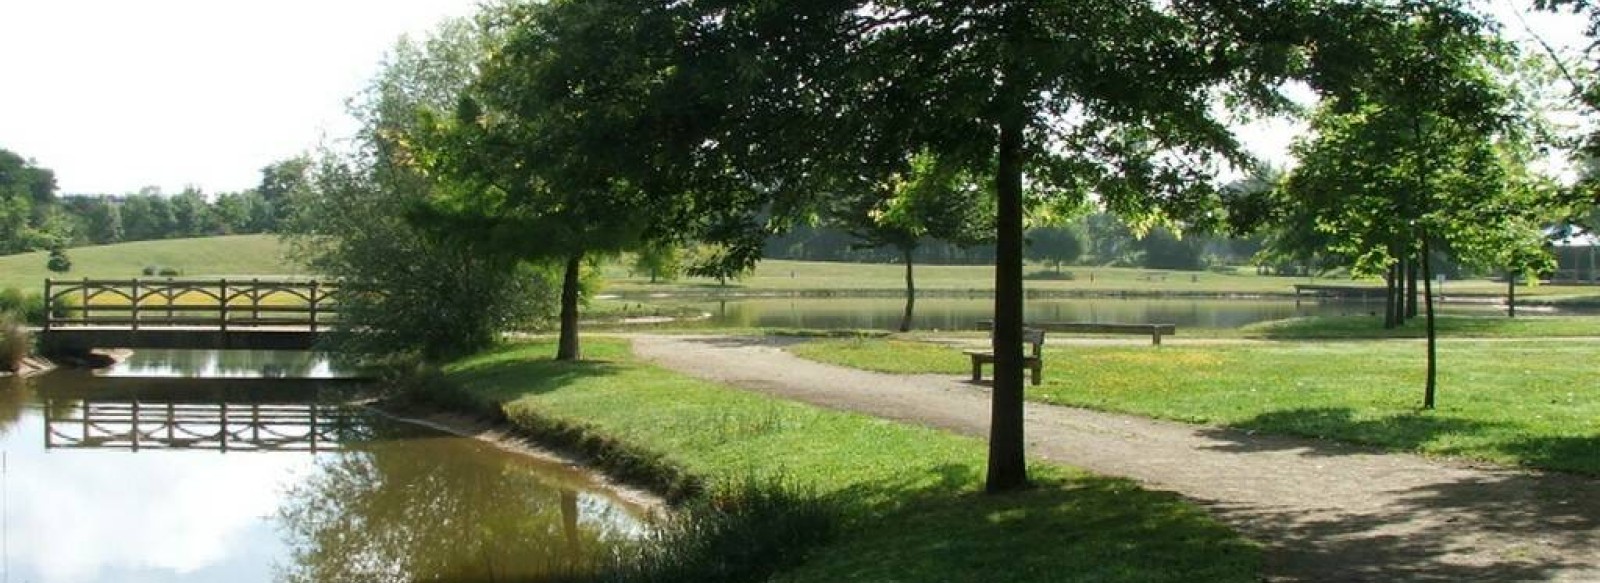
<point x="236" y="415"/>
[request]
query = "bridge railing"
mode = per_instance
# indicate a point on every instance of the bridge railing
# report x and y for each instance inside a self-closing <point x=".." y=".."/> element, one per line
<point x="199" y="303"/>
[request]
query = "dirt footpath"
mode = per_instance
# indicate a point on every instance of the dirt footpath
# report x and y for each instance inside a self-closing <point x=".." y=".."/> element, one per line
<point x="1325" y="512"/>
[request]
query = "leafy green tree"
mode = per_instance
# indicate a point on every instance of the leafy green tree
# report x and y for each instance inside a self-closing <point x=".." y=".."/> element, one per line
<point x="243" y="212"/>
<point x="280" y="181"/>
<point x="27" y="191"/>
<point x="148" y="216"/>
<point x="1165" y="249"/>
<point x="1421" y="155"/>
<point x="925" y="200"/>
<point x="191" y="214"/>
<point x="99" y="218"/>
<point x="404" y="289"/>
<point x="664" y="262"/>
<point x="1056" y="244"/>
<point x="558" y="151"/>
<point x="1081" y="97"/>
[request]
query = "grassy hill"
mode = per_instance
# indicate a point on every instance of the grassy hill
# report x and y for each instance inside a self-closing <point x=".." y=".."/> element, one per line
<point x="263" y="255"/>
<point x="240" y="255"/>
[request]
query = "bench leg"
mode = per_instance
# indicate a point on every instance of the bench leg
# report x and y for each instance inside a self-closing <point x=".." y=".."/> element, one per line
<point x="977" y="370"/>
<point x="1155" y="339"/>
<point x="1038" y="367"/>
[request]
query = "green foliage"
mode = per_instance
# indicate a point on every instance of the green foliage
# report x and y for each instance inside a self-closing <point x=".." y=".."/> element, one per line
<point x="664" y="262"/>
<point x="1055" y="245"/>
<point x="1165" y="249"/>
<point x="744" y="531"/>
<point x="405" y="289"/>
<point x="58" y="261"/>
<point x="402" y="291"/>
<point x="26" y="193"/>
<point x="15" y="342"/>
<point x="27" y="307"/>
<point x="921" y="199"/>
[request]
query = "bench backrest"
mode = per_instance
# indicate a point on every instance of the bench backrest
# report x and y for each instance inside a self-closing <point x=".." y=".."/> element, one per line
<point x="1034" y="336"/>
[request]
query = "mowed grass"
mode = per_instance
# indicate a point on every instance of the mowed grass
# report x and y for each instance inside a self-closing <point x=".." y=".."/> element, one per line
<point x="240" y="255"/>
<point x="1516" y="402"/>
<point x="798" y="276"/>
<point x="1355" y="327"/>
<point x="911" y="494"/>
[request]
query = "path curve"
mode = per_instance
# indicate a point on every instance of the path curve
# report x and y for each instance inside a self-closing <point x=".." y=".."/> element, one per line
<point x="1323" y="511"/>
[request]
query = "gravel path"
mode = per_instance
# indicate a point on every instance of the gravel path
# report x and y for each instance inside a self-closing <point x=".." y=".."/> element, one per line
<point x="1324" y="511"/>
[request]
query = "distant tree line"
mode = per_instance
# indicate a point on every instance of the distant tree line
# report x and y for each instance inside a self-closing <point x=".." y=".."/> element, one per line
<point x="34" y="217"/>
<point x="1099" y="239"/>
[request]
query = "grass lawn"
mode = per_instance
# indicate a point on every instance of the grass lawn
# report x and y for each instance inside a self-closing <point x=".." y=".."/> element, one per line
<point x="911" y="494"/>
<point x="1515" y="402"/>
<point x="1357" y="327"/>
<point x="796" y="276"/>
<point x="240" y="255"/>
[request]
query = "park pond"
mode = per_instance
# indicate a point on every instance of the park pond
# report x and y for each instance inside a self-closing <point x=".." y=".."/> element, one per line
<point x="938" y="313"/>
<point x="250" y="466"/>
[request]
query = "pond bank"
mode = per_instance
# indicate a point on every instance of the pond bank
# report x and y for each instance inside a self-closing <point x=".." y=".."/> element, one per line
<point x="905" y="500"/>
<point x="510" y="438"/>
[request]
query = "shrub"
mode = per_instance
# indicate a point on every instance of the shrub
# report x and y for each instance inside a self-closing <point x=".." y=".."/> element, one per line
<point x="58" y="261"/>
<point x="26" y="307"/>
<point x="739" y="532"/>
<point x="15" y="343"/>
<point x="169" y="272"/>
<point x="150" y="270"/>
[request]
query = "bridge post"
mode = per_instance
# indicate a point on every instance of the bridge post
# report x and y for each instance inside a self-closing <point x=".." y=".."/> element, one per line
<point x="223" y="294"/>
<point x="135" y="314"/>
<point x="49" y="304"/>
<point x="314" y="300"/>
<point x="83" y="306"/>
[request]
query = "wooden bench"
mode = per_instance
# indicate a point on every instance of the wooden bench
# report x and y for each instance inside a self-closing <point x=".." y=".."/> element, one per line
<point x="1155" y="331"/>
<point x="1034" y="360"/>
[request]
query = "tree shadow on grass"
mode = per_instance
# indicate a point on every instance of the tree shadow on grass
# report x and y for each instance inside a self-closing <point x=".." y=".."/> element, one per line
<point x="508" y="380"/>
<point x="1427" y="522"/>
<point x="1085" y="528"/>
<point x="1501" y="527"/>
<point x="1334" y="431"/>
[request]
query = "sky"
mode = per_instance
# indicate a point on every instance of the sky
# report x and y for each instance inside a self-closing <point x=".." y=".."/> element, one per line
<point x="117" y="95"/>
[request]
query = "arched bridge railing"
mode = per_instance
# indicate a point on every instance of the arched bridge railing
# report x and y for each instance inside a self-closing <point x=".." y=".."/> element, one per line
<point x="211" y="304"/>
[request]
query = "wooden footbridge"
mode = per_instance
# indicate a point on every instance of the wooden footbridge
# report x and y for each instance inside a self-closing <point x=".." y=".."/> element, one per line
<point x="252" y="314"/>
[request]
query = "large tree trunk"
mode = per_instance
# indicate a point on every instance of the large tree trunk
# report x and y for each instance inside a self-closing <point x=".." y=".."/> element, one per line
<point x="1008" y="468"/>
<point x="1433" y="340"/>
<point x="911" y="292"/>
<point x="567" y="346"/>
